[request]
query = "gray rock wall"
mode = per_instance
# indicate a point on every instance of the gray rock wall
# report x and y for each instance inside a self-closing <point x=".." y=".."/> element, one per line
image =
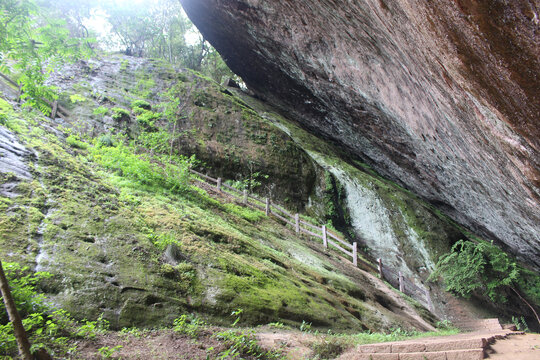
<point x="442" y="98"/>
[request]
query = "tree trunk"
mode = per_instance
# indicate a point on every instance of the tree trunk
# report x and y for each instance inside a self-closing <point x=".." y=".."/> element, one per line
<point x="527" y="303"/>
<point x="20" y="334"/>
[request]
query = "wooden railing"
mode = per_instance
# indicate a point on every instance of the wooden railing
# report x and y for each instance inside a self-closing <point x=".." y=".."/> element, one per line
<point x="328" y="238"/>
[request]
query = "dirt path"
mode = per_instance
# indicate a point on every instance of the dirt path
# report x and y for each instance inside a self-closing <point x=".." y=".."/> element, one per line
<point x="519" y="347"/>
<point x="295" y="345"/>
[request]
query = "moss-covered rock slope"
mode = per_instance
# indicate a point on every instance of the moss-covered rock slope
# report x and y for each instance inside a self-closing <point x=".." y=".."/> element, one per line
<point x="99" y="199"/>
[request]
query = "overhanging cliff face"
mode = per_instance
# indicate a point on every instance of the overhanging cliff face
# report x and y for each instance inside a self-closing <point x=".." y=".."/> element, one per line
<point x="442" y="97"/>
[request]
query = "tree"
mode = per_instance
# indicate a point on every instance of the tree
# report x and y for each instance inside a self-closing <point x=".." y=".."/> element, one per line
<point x="470" y="267"/>
<point x="32" y="44"/>
<point x="14" y="317"/>
<point x="74" y="13"/>
<point x="152" y="29"/>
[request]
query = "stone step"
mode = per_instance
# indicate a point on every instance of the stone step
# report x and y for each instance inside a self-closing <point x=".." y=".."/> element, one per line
<point x="425" y="346"/>
<point x="479" y="324"/>
<point x="455" y="347"/>
<point x="466" y="354"/>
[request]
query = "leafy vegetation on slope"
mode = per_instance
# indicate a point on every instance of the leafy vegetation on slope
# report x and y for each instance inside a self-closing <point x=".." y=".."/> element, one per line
<point x="129" y="215"/>
<point x="32" y="44"/>
<point x="106" y="205"/>
<point x="482" y="267"/>
<point x="48" y="328"/>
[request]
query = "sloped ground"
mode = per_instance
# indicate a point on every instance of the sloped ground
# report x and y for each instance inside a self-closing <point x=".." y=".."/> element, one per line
<point x="525" y="347"/>
<point x="242" y="139"/>
<point x="142" y="255"/>
<point x="298" y="345"/>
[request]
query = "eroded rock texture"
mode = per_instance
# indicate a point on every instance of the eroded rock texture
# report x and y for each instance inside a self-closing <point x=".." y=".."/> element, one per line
<point x="442" y="97"/>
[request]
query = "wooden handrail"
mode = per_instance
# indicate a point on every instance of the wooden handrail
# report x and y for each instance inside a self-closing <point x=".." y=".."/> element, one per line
<point x="282" y="210"/>
<point x="343" y="242"/>
<point x="281" y="217"/>
<point x="310" y="225"/>
<point x="339" y="247"/>
<point x="203" y="175"/>
<point x="309" y="232"/>
<point x="328" y="237"/>
<point x="232" y="188"/>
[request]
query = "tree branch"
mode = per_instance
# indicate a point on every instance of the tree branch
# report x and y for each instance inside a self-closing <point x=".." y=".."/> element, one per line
<point x="525" y="301"/>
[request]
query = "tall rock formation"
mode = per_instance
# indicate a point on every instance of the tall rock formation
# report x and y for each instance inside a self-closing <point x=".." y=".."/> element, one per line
<point x="442" y="97"/>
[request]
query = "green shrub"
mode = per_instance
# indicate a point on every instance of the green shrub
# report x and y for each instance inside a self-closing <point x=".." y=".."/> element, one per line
<point x="120" y="114"/>
<point x="253" y="182"/>
<point x="138" y="110"/>
<point x="46" y="327"/>
<point x="243" y="345"/>
<point x="171" y="173"/>
<point x="75" y="98"/>
<point x="102" y="110"/>
<point x="90" y="329"/>
<point x="189" y="325"/>
<point x="529" y="283"/>
<point x="161" y="241"/>
<point x="107" y="352"/>
<point x="74" y="141"/>
<point x="157" y="142"/>
<point x="23" y="288"/>
<point x="105" y="140"/>
<point x="147" y="119"/>
<point x="476" y="266"/>
<point x="141" y="104"/>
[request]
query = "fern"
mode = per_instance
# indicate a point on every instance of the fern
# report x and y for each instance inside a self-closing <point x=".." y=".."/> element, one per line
<point x="470" y="267"/>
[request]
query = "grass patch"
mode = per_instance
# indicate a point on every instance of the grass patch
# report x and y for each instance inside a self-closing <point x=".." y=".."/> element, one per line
<point x="75" y="141"/>
<point x="243" y="212"/>
<point x="170" y="173"/>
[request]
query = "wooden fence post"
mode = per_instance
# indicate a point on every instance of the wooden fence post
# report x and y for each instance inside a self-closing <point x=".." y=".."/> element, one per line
<point x="428" y="299"/>
<point x="245" y="197"/>
<point x="401" y="286"/>
<point x="324" y="240"/>
<point x="379" y="267"/>
<point x="219" y="184"/>
<point x="355" y="253"/>
<point x="297" y="222"/>
<point x="54" y="109"/>
<point x="267" y="207"/>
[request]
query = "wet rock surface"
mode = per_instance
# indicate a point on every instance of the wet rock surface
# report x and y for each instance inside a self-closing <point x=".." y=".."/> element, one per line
<point x="231" y="139"/>
<point x="443" y="98"/>
<point x="13" y="155"/>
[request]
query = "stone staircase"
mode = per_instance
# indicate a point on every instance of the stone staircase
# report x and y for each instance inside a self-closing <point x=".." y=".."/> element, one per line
<point x="468" y="346"/>
<point x="478" y="325"/>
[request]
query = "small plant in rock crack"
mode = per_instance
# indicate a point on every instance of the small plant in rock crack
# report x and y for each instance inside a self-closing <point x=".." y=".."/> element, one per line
<point x="243" y="345"/>
<point x="237" y="312"/>
<point x="521" y="324"/>
<point x="305" y="327"/>
<point x="107" y="352"/>
<point x="189" y="325"/>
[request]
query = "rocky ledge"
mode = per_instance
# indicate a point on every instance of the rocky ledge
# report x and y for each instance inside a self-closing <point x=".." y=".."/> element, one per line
<point x="442" y="98"/>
